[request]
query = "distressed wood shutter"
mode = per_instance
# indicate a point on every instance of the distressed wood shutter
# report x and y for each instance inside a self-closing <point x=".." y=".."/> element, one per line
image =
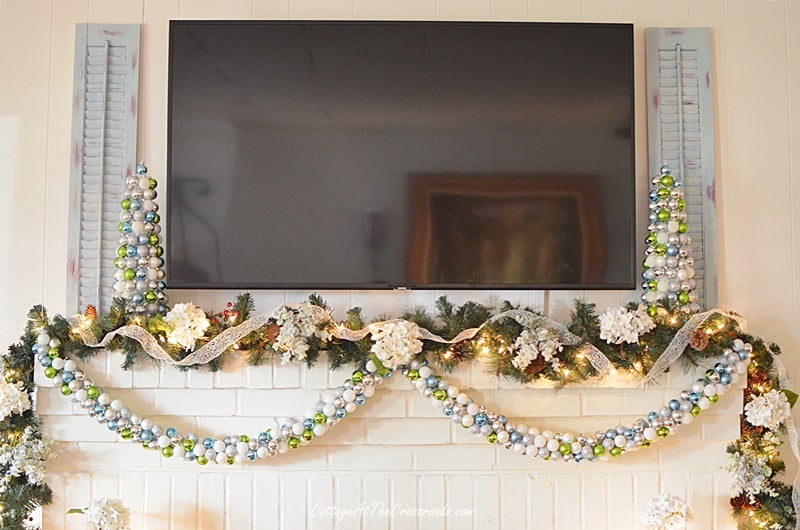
<point x="680" y="125"/>
<point x="104" y="123"/>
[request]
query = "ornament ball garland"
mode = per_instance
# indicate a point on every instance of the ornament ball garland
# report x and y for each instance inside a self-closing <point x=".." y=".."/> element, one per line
<point x="355" y="391"/>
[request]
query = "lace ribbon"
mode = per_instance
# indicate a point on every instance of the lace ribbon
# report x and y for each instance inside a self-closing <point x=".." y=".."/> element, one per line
<point x="680" y="341"/>
<point x="221" y="342"/>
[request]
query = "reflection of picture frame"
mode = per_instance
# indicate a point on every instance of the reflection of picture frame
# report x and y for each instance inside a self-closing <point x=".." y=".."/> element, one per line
<point x="514" y="230"/>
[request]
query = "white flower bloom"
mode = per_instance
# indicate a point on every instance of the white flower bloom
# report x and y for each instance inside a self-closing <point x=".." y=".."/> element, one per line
<point x="297" y="324"/>
<point x="27" y="457"/>
<point x="618" y="325"/>
<point x="667" y="512"/>
<point x="749" y="473"/>
<point x="108" y="514"/>
<point x="768" y="410"/>
<point x="396" y="342"/>
<point x="531" y="344"/>
<point x="187" y="323"/>
<point x="13" y="399"/>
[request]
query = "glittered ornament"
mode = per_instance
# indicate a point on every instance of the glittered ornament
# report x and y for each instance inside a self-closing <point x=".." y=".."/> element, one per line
<point x="698" y="340"/>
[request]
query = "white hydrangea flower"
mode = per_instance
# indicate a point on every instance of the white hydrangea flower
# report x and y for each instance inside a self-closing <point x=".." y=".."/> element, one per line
<point x="749" y="473"/>
<point x="187" y="323"/>
<point x="297" y="324"/>
<point x="13" y="399"/>
<point x="108" y="514"/>
<point x="667" y="512"/>
<point x="531" y="343"/>
<point x="27" y="457"/>
<point x="768" y="410"/>
<point x="396" y="342"/>
<point x="618" y="325"/>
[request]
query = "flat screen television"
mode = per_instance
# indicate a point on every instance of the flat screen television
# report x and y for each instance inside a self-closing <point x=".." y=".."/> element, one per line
<point x="371" y="155"/>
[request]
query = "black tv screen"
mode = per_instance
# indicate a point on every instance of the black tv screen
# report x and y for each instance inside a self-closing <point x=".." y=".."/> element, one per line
<point x="325" y="155"/>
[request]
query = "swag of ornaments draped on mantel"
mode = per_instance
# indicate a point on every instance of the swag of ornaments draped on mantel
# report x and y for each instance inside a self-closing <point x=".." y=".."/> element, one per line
<point x="639" y="341"/>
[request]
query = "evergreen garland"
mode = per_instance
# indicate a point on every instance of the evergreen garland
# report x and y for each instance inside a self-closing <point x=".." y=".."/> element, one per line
<point x="494" y="345"/>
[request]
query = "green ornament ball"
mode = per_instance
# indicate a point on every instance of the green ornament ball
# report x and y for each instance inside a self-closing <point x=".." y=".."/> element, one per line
<point x="412" y="375"/>
<point x="695" y="410"/>
<point x="202" y="460"/>
<point x="319" y="418"/>
<point x="646" y="443"/>
<point x="119" y="263"/>
<point x="294" y="443"/>
<point x="244" y="438"/>
<point x="159" y="251"/>
<point x="439" y="394"/>
<point x="65" y="389"/>
<point x="153" y="183"/>
<point x="683" y="297"/>
<point x="564" y="448"/>
<point x="92" y="392"/>
<point x="156" y="219"/>
<point x="650" y="239"/>
<point x="652" y="310"/>
<point x="129" y="274"/>
<point x="385" y="372"/>
<point x="491" y="437"/>
<point x="308" y="435"/>
<point x="662" y="193"/>
<point x="357" y="377"/>
<point x="50" y="372"/>
<point x="660" y="249"/>
<point x="187" y="444"/>
<point x="230" y="461"/>
<point x="150" y="296"/>
<point x="667" y="180"/>
<point x="53" y="353"/>
<point x="663" y="215"/>
<point x="713" y="399"/>
<point x="122" y="252"/>
<point x="616" y="451"/>
<point x="598" y="450"/>
<point x="652" y="285"/>
<point x="167" y="451"/>
<point x="126" y="434"/>
<point x="682" y="228"/>
<point x="681" y="204"/>
<point x="126" y="204"/>
<point x="662" y="432"/>
<point x="154" y="239"/>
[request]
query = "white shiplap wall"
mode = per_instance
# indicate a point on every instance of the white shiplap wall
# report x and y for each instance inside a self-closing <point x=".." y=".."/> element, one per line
<point x="756" y="58"/>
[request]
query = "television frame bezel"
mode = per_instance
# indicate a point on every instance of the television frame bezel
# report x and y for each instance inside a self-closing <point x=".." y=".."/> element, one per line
<point x="631" y="285"/>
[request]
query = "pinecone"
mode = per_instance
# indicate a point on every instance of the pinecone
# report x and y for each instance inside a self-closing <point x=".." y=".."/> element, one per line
<point x="273" y="330"/>
<point x="91" y="312"/>
<point x="743" y="502"/>
<point x="536" y="366"/>
<point x="698" y="340"/>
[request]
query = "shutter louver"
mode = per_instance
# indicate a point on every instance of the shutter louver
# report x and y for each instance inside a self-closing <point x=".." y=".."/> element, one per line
<point x="103" y="151"/>
<point x="681" y="134"/>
